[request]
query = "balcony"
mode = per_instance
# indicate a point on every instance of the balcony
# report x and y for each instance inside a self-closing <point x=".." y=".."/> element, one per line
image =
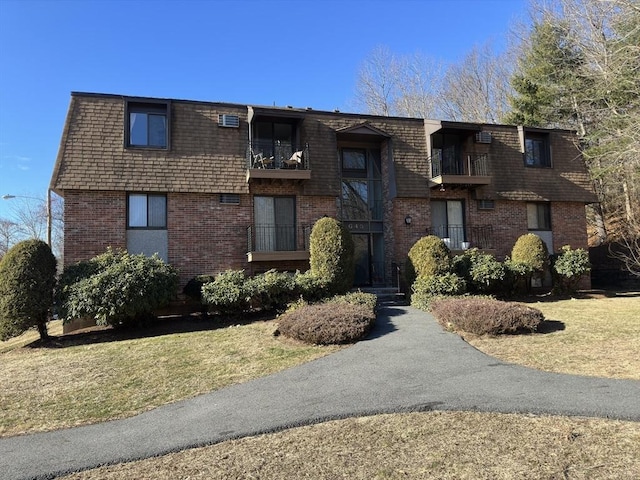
<point x="459" y="237"/>
<point x="471" y="172"/>
<point x="277" y="162"/>
<point x="271" y="243"/>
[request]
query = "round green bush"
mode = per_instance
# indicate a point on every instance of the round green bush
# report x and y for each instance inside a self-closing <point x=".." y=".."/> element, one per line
<point x="331" y="251"/>
<point x="427" y="257"/>
<point x="531" y="251"/>
<point x="27" y="280"/>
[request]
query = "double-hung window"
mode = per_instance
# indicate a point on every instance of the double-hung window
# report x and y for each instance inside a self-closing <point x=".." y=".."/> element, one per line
<point x="147" y="125"/>
<point x="146" y="211"/>
<point x="536" y="150"/>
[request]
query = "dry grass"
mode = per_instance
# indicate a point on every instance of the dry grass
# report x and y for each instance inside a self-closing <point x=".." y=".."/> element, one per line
<point x="601" y="337"/>
<point x="54" y="328"/>
<point x="443" y="445"/>
<point x="50" y="388"/>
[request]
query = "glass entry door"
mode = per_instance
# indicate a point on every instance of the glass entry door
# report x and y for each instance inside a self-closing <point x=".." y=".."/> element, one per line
<point x="368" y="259"/>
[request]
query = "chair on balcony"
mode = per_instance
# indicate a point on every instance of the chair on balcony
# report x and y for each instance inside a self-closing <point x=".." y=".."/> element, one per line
<point x="294" y="160"/>
<point x="260" y="161"/>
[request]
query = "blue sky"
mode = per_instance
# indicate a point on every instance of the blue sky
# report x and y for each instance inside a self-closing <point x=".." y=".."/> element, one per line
<point x="304" y="53"/>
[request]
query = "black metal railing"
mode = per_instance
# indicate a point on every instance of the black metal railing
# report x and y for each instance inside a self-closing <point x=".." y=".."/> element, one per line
<point x="277" y="238"/>
<point x="277" y="154"/>
<point x="460" y="237"/>
<point x="475" y="165"/>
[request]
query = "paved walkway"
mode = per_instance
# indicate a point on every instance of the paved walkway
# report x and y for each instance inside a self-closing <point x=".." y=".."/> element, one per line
<point x="408" y="364"/>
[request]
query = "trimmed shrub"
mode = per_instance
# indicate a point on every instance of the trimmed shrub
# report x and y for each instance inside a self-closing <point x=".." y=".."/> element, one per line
<point x="271" y="290"/>
<point x="426" y="288"/>
<point x="569" y="266"/>
<point x="482" y="272"/>
<point x="310" y="287"/>
<point x="429" y="256"/>
<point x="530" y="254"/>
<point x="327" y="323"/>
<point x="120" y="288"/>
<point x="332" y="255"/>
<point x="27" y="280"/>
<point x="483" y="316"/>
<point x="228" y="293"/>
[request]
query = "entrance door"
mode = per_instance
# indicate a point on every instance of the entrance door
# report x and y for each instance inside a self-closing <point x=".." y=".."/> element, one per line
<point x="368" y="259"/>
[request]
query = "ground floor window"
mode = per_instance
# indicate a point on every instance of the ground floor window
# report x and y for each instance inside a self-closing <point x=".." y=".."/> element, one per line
<point x="146" y="211"/>
<point x="275" y="223"/>
<point x="538" y="216"/>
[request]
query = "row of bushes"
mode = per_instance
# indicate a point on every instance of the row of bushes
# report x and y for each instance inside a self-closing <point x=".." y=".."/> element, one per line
<point x="117" y="288"/>
<point x="433" y="271"/>
<point x="442" y="283"/>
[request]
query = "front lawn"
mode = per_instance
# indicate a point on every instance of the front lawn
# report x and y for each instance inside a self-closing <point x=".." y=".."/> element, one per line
<point x="598" y="336"/>
<point x="104" y="376"/>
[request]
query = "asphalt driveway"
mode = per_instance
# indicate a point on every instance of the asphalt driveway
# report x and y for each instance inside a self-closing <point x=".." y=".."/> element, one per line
<point x="407" y="364"/>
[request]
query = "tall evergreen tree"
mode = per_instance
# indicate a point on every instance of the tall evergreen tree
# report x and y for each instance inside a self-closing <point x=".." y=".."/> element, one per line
<point x="545" y="84"/>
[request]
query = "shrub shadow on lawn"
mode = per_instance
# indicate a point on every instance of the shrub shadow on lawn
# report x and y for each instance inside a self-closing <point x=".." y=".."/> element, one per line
<point x="161" y="326"/>
<point x="550" y="326"/>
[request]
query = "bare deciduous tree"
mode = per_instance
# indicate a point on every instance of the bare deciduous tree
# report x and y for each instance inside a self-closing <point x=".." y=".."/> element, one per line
<point x="396" y="85"/>
<point x="476" y="89"/>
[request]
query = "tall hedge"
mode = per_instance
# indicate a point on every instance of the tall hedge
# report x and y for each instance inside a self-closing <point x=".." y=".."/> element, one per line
<point x="428" y="256"/>
<point x="27" y="280"/>
<point x="332" y="255"/>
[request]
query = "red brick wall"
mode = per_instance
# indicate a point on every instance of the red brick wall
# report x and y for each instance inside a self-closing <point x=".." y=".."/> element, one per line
<point x="93" y="221"/>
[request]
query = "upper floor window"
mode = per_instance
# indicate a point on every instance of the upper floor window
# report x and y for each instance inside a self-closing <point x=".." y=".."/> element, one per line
<point x="146" y="211"/>
<point x="536" y="150"/>
<point x="354" y="159"/>
<point x="147" y="125"/>
<point x="538" y="216"/>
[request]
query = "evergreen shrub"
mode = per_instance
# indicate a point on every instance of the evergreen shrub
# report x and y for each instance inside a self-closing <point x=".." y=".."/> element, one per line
<point x="428" y="287"/>
<point x="569" y="267"/>
<point x="429" y="256"/>
<point x="117" y="288"/>
<point x="332" y="255"/>
<point x="27" y="280"/>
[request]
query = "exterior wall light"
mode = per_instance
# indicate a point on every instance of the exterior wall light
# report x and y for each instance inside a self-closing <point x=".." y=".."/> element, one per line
<point x="408" y="219"/>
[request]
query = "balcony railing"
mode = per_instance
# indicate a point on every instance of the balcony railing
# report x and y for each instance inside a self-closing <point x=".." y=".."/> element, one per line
<point x="479" y="236"/>
<point x="278" y="238"/>
<point x="476" y="165"/>
<point x="271" y="155"/>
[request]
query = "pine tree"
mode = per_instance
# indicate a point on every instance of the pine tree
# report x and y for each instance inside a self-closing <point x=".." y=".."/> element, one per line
<point x="545" y="83"/>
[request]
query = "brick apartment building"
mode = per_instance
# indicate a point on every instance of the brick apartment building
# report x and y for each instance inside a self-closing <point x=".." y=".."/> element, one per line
<point x="213" y="186"/>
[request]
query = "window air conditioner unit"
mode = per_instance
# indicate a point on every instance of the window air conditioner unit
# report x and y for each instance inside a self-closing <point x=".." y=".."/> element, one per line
<point x="232" y="121"/>
<point x="483" y="137"/>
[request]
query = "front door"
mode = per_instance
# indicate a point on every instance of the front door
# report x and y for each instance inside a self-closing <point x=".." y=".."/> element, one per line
<point x="368" y="259"/>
